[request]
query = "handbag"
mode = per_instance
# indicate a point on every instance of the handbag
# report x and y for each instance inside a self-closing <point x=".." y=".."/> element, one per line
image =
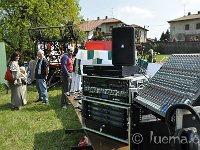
<point x="8" y="75"/>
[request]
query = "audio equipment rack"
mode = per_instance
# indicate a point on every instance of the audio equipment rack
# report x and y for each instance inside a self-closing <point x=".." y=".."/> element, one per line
<point x="110" y="89"/>
<point x="107" y="104"/>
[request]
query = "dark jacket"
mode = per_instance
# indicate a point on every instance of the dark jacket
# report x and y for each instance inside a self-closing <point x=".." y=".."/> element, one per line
<point x="44" y="66"/>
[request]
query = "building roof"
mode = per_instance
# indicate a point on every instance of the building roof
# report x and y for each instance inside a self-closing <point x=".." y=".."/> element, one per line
<point x="92" y="24"/>
<point x="136" y="26"/>
<point x="184" y="18"/>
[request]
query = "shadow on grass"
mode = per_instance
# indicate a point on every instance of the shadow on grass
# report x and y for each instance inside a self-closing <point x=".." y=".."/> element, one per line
<point x="39" y="106"/>
<point x="55" y="140"/>
<point x="6" y="106"/>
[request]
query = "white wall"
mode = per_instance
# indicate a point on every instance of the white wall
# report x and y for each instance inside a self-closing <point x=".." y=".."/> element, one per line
<point x="177" y="29"/>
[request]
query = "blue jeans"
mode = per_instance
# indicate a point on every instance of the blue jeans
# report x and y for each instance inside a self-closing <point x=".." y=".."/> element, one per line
<point x="42" y="89"/>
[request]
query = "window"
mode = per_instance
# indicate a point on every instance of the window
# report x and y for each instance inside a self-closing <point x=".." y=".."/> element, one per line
<point x="187" y="27"/>
<point x="198" y="26"/>
<point x="110" y="28"/>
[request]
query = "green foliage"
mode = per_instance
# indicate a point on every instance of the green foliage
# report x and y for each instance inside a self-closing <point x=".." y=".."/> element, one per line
<point x="162" y="38"/>
<point x="98" y="35"/>
<point x="165" y="37"/>
<point x="17" y="16"/>
<point x="37" y="126"/>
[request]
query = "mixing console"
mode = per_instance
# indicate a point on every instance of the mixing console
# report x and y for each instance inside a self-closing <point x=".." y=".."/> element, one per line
<point x="176" y="82"/>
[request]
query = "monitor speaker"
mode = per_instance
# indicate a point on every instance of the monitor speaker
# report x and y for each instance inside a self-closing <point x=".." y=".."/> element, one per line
<point x="123" y="47"/>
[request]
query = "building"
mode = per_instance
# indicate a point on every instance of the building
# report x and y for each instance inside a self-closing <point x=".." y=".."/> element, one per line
<point x="186" y="28"/>
<point x="105" y="26"/>
<point x="140" y="34"/>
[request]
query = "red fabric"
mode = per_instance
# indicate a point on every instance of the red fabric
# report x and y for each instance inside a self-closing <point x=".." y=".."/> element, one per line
<point x="70" y="64"/>
<point x="49" y="46"/>
<point x="8" y="75"/>
<point x="83" y="142"/>
<point x="99" y="45"/>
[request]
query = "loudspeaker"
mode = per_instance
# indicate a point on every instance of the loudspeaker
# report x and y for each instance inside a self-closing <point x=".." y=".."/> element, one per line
<point x="123" y="47"/>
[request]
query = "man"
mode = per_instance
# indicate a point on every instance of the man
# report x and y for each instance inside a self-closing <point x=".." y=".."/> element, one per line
<point x="66" y="76"/>
<point x="41" y="73"/>
<point x="32" y="64"/>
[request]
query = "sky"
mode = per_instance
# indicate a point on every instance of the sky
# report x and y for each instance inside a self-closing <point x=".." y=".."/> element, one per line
<point x="151" y="14"/>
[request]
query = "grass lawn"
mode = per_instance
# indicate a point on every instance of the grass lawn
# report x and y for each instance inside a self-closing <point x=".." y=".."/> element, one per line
<point x="37" y="126"/>
<point x="162" y="58"/>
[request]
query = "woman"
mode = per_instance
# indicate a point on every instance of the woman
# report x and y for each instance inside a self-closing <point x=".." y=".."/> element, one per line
<point x="16" y="84"/>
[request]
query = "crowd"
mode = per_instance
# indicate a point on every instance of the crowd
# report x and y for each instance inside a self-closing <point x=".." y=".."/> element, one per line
<point x="39" y="72"/>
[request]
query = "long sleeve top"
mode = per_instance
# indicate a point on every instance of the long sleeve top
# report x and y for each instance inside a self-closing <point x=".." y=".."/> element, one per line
<point x="66" y="65"/>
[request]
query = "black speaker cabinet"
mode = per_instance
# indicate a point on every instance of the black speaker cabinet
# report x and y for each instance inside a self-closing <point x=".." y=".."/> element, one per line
<point x="123" y="47"/>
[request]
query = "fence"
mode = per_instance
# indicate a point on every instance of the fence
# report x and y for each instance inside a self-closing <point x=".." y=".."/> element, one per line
<point x="174" y="47"/>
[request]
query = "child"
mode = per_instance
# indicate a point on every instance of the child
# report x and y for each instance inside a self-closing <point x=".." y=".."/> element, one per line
<point x="24" y="86"/>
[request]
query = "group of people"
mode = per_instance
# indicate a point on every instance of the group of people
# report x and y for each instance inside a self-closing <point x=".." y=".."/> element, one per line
<point x="18" y="85"/>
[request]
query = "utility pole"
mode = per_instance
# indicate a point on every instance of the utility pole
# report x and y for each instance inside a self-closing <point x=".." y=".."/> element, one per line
<point x="112" y="13"/>
<point x="184" y="9"/>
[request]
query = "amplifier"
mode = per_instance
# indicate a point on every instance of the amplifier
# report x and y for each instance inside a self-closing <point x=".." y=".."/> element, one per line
<point x="110" y="70"/>
<point x="109" y="89"/>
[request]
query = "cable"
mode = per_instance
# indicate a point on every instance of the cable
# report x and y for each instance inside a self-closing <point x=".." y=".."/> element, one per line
<point x="189" y="133"/>
<point x="173" y="108"/>
<point x="143" y="73"/>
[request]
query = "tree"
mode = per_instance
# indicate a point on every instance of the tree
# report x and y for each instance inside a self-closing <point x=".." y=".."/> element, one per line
<point x="167" y="36"/>
<point x="162" y="38"/>
<point x="17" y="16"/>
<point x="98" y="35"/>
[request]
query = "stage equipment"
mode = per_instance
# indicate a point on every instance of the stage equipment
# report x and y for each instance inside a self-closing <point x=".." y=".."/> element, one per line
<point x="114" y="90"/>
<point x="176" y="82"/>
<point x="106" y="119"/>
<point x="110" y="70"/>
<point x="107" y="104"/>
<point x="123" y="47"/>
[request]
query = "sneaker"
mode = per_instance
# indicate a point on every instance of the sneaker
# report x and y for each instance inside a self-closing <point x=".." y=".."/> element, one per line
<point x="17" y="108"/>
<point x="44" y="102"/>
<point x="71" y="93"/>
<point x="77" y="98"/>
<point x="39" y="100"/>
<point x="68" y="94"/>
<point x="64" y="107"/>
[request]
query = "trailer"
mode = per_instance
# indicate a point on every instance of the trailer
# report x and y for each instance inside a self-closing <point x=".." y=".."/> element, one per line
<point x="54" y="41"/>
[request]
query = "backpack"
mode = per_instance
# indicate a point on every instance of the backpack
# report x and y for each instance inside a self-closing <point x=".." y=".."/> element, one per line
<point x="8" y="75"/>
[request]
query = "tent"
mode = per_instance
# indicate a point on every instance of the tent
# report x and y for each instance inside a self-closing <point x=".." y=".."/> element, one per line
<point x="3" y="62"/>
